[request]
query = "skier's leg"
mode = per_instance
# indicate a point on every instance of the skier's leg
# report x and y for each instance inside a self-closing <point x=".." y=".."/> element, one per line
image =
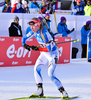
<point x="41" y="62"/>
<point x="51" y="69"/>
<point x="53" y="60"/>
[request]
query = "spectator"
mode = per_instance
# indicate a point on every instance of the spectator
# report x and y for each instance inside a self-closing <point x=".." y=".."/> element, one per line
<point x="78" y="9"/>
<point x="43" y="7"/>
<point x="51" y="6"/>
<point x="62" y="28"/>
<point x="33" y="4"/>
<point x="18" y="7"/>
<point x="87" y="8"/>
<point x="47" y="18"/>
<point x="74" y="2"/>
<point x="84" y="33"/>
<point x="15" y="28"/>
<point x="7" y="7"/>
<point x="83" y="3"/>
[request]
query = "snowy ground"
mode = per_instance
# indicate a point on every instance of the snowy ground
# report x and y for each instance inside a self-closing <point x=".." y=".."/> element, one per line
<point x="19" y="81"/>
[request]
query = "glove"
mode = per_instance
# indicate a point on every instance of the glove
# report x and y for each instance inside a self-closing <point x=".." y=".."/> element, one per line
<point x="68" y="31"/>
<point x="82" y="11"/>
<point x="72" y="29"/>
<point x="77" y="13"/>
<point x="35" y="48"/>
<point x="27" y="47"/>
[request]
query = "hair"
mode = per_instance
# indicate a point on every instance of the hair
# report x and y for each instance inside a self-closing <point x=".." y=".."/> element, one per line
<point x="41" y="27"/>
<point x="88" y="0"/>
<point x="86" y="26"/>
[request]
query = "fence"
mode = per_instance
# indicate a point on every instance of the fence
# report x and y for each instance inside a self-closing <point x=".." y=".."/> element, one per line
<point x="72" y="21"/>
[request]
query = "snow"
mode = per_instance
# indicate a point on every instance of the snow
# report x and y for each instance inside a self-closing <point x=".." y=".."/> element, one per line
<point x="19" y="81"/>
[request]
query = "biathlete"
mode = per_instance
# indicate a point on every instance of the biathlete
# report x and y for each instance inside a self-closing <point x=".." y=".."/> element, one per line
<point x="49" y="55"/>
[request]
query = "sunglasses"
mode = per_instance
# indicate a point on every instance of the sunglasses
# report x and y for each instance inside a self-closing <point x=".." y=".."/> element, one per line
<point x="33" y="23"/>
<point x="88" y="2"/>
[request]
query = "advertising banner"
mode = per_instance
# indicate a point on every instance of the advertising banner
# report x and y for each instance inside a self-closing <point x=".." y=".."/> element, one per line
<point x="12" y="53"/>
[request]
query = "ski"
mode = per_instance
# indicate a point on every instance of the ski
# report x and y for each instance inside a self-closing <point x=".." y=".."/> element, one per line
<point x="45" y="97"/>
<point x="69" y="98"/>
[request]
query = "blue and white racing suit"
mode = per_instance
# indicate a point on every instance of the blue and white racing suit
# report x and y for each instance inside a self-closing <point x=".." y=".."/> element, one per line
<point x="49" y="58"/>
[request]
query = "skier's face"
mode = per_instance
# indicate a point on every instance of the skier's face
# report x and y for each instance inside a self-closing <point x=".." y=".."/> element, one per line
<point x="34" y="28"/>
<point x="78" y="3"/>
<point x="35" y="25"/>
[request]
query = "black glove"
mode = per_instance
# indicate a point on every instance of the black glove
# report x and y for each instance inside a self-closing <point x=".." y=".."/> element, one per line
<point x="82" y="11"/>
<point x="77" y="13"/>
<point x="72" y="29"/>
<point x="68" y="31"/>
<point x="27" y="47"/>
<point x="35" y="48"/>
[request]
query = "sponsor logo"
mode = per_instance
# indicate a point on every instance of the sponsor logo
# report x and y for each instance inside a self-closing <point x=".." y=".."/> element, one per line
<point x="60" y="51"/>
<point x="65" y="60"/>
<point x="2" y="39"/>
<point x="29" y="34"/>
<point x="1" y="63"/>
<point x="29" y="39"/>
<point x="21" y="52"/>
<point x="14" y="62"/>
<point x="56" y="39"/>
<point x="28" y="62"/>
<point x="15" y="39"/>
<point x="67" y="39"/>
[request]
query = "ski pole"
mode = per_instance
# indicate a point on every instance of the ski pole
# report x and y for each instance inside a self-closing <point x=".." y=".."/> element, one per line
<point x="69" y="41"/>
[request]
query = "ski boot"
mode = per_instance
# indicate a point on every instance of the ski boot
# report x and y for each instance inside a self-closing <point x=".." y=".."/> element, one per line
<point x="39" y="91"/>
<point x="64" y="93"/>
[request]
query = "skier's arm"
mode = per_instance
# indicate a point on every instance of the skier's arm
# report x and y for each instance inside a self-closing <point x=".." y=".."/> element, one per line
<point x="29" y="35"/>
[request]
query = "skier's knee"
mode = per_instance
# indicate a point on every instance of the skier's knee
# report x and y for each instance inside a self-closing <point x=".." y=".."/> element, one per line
<point x="50" y="75"/>
<point x="37" y="68"/>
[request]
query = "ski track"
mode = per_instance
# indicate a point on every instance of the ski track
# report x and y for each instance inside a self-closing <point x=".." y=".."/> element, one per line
<point x="19" y="81"/>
